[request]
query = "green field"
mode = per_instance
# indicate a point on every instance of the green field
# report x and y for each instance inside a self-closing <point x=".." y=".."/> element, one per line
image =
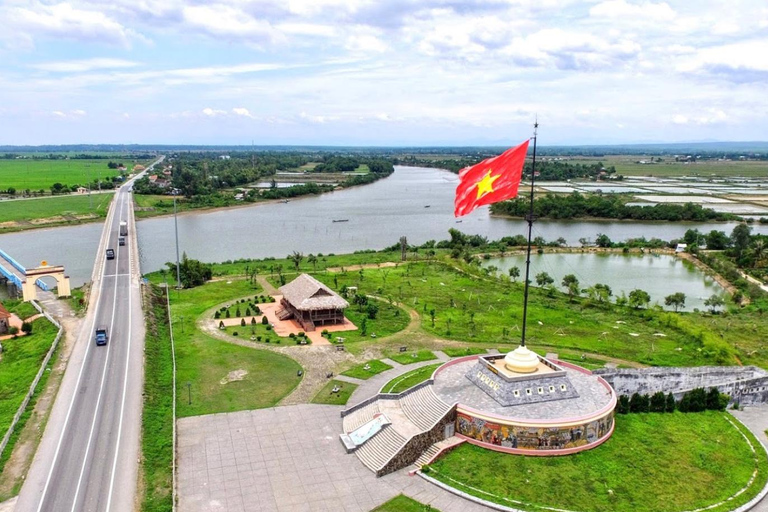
<point x="48" y="211"/>
<point x="653" y="463"/>
<point x="213" y="368"/>
<point x="410" y="379"/>
<point x="401" y="503"/>
<point x="326" y="395"/>
<point x="628" y="166"/>
<point x="23" y="174"/>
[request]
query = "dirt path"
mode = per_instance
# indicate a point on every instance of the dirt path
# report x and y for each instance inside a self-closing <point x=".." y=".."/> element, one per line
<point x="352" y="268"/>
<point x="267" y="286"/>
<point x="24" y="450"/>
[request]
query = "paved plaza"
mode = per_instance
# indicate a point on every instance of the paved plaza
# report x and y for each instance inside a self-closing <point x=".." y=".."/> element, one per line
<point x="286" y="459"/>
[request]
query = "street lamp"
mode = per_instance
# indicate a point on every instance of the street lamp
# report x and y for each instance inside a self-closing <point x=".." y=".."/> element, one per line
<point x="175" y="192"/>
<point x="189" y="393"/>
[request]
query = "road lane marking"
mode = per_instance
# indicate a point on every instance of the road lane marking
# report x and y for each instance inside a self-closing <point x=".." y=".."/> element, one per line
<point x="115" y="275"/>
<point x="125" y="389"/>
<point x="101" y="387"/>
<point x="74" y="394"/>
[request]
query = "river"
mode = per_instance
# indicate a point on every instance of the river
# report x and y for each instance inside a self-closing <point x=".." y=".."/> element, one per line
<point x="415" y="202"/>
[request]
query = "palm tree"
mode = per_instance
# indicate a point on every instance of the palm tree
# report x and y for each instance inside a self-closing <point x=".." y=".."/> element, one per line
<point x="758" y="252"/>
<point x="313" y="260"/>
<point x="296" y="258"/>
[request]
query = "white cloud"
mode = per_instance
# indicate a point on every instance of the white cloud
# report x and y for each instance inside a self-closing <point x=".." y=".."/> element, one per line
<point x="680" y="119"/>
<point x="218" y="20"/>
<point x="78" y="113"/>
<point x="78" y="66"/>
<point x="59" y="113"/>
<point x="240" y="111"/>
<point x="621" y="9"/>
<point x="210" y="112"/>
<point x="307" y="29"/>
<point x="365" y="43"/>
<point x="708" y="117"/>
<point x="745" y="61"/>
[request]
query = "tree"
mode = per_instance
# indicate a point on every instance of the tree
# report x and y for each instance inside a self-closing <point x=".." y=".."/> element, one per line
<point x="740" y="238"/>
<point x="713" y="302"/>
<point x="264" y="320"/>
<point x="296" y="258"/>
<point x="26" y="327"/>
<point x="639" y="298"/>
<point x="658" y="402"/>
<point x="544" y="279"/>
<point x="571" y="284"/>
<point x="758" y="252"/>
<point x="671" y="404"/>
<point x="57" y="188"/>
<point x="361" y="300"/>
<point x="623" y="405"/>
<point x="192" y="272"/>
<point x="312" y="260"/>
<point x="372" y="310"/>
<point x="639" y="403"/>
<point x="364" y="326"/>
<point x="675" y="301"/>
<point x="691" y="237"/>
<point x="717" y="240"/>
<point x="514" y="273"/>
<point x="713" y="400"/>
<point x="432" y="315"/>
<point x="603" y="240"/>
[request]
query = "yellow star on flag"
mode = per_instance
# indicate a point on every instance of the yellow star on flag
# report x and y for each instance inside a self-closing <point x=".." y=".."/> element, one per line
<point x="485" y="185"/>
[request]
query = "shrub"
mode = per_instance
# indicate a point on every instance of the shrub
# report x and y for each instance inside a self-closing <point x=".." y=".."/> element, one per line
<point x="237" y="311"/>
<point x="301" y="334"/>
<point x="264" y="320"/>
<point x="253" y="320"/>
<point x="324" y="333"/>
<point x="217" y="315"/>
<point x="671" y="404"/>
<point x="269" y="327"/>
<point x="26" y="327"/>
<point x="221" y="324"/>
<point x="658" y="402"/>
<point x="13" y="330"/>
<point x="291" y="335"/>
<point x="234" y="333"/>
<point x="227" y="314"/>
<point x="267" y="340"/>
<point x="242" y="322"/>
<point x="639" y="403"/>
<point x="256" y="310"/>
<point x="258" y="338"/>
<point x="247" y="311"/>
<point x="622" y="407"/>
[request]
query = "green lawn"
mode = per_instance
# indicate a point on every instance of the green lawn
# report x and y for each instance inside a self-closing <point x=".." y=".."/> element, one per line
<point x="402" y="503"/>
<point x="410" y="379"/>
<point x="244" y="307"/>
<point x="411" y="356"/>
<point x="628" y="166"/>
<point x="71" y="208"/>
<point x="207" y="363"/>
<point x="22" y="309"/>
<point x="389" y="320"/>
<point x="461" y="352"/>
<point x="359" y="371"/>
<point x="19" y="364"/>
<point x="326" y="395"/>
<point x="23" y="174"/>
<point x="653" y="463"/>
<point x="260" y="333"/>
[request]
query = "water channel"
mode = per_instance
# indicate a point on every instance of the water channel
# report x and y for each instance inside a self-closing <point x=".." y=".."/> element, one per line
<point x="658" y="274"/>
<point x="415" y="202"/>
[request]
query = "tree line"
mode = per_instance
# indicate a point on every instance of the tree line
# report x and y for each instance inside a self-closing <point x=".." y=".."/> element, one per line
<point x="695" y="400"/>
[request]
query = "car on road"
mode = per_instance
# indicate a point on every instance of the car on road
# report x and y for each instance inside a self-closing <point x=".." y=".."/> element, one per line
<point x="121" y="240"/>
<point x="110" y="254"/>
<point x="101" y="336"/>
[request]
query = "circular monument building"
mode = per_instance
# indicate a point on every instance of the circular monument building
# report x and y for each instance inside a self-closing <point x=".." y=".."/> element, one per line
<point x="524" y="403"/>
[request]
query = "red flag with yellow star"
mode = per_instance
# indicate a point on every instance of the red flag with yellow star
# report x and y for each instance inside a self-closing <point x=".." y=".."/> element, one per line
<point x="492" y="180"/>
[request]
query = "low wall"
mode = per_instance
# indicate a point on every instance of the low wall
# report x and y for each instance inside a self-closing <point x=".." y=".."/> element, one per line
<point x="418" y="444"/>
<point x="746" y="385"/>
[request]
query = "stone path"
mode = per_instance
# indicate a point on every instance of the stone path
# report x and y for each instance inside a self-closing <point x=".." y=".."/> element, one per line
<point x="370" y="387"/>
<point x="756" y="420"/>
<point x="286" y="459"/>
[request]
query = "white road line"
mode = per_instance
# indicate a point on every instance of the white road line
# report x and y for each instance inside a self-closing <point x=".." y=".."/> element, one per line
<point x="125" y="389"/>
<point x="116" y="275"/>
<point x="74" y="394"/>
<point x="101" y="387"/>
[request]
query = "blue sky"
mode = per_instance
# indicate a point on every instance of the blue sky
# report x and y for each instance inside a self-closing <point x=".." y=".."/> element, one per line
<point x="397" y="72"/>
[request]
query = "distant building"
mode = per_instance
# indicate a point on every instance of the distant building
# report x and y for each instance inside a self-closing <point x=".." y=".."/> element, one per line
<point x="224" y="157"/>
<point x="138" y="168"/>
<point x="311" y="303"/>
<point x="153" y="178"/>
<point x="82" y="190"/>
<point x="5" y="318"/>
<point x="681" y="247"/>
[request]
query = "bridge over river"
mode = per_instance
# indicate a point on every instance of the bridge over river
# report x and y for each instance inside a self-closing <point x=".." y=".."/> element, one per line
<point x="26" y="280"/>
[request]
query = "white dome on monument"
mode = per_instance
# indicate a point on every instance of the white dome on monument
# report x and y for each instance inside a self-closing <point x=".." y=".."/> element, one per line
<point x="521" y="360"/>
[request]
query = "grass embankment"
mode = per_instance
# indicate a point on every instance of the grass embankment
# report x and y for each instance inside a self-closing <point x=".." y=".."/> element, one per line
<point x="411" y="356"/>
<point x="389" y="320"/>
<point x="54" y="211"/>
<point x="375" y="367"/>
<point x="157" y="419"/>
<point x="22" y="309"/>
<point x="327" y="396"/>
<point x="461" y="352"/>
<point x="402" y="503"/>
<point x="223" y="377"/>
<point x="26" y="173"/>
<point x="410" y="379"/>
<point x="653" y="463"/>
<point x="20" y="362"/>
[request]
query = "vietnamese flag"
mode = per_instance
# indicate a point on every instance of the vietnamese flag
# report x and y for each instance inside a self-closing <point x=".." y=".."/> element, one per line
<point x="492" y="180"/>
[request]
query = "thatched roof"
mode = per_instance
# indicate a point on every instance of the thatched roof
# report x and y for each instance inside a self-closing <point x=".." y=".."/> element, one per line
<point x="306" y="293"/>
<point x="4" y="312"/>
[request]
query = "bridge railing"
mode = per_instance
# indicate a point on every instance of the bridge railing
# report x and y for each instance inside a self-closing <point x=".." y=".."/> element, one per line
<point x="18" y="266"/>
<point x="10" y="276"/>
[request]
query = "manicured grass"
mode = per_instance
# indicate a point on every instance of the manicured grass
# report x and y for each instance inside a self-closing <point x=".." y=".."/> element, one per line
<point x="326" y="396"/>
<point x="63" y="210"/>
<point x="653" y="463"/>
<point x="247" y="308"/>
<point x="26" y="173"/>
<point x="389" y="320"/>
<point x="157" y="419"/>
<point x="205" y="362"/>
<point x="359" y="371"/>
<point x="402" y="503"/>
<point x="410" y="379"/>
<point x="461" y="352"/>
<point x="260" y="333"/>
<point x="411" y="356"/>
<point x="20" y="362"/>
<point x="22" y="309"/>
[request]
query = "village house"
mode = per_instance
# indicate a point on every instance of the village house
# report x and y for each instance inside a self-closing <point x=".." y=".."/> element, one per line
<point x="311" y="303"/>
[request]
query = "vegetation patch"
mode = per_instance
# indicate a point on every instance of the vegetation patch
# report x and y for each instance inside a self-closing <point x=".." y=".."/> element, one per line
<point x="55" y="211"/>
<point x="402" y="503"/>
<point x="157" y="419"/>
<point x="466" y="351"/>
<point x="652" y="463"/>
<point x="22" y="309"/>
<point x="202" y="361"/>
<point x="410" y="379"/>
<point x="411" y="356"/>
<point x="377" y="319"/>
<point x="335" y="392"/>
<point x="367" y="370"/>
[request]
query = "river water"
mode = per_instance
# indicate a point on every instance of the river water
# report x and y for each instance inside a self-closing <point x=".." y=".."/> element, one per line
<point x="658" y="274"/>
<point x="415" y="202"/>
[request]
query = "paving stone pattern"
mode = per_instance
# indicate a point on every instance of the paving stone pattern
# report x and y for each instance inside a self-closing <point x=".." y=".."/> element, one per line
<point x="286" y="459"/>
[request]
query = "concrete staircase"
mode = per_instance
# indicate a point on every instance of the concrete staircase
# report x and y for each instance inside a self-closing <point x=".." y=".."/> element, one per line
<point x="283" y="314"/>
<point x="434" y="451"/>
<point x="360" y="417"/>
<point x="381" y="448"/>
<point x="423" y="407"/>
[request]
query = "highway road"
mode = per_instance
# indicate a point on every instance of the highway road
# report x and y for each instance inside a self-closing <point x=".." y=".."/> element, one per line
<point x="87" y="459"/>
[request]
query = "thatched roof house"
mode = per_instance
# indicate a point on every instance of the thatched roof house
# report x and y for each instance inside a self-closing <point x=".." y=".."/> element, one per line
<point x="5" y="317"/>
<point x="310" y="302"/>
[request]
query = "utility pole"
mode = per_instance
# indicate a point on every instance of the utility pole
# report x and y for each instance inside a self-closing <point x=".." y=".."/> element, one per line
<point x="176" y="229"/>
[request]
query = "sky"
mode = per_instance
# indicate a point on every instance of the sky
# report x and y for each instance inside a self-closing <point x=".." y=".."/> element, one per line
<point x="385" y="73"/>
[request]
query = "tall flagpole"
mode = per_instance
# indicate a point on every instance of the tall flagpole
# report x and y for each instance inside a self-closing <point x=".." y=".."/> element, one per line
<point x="529" y="218"/>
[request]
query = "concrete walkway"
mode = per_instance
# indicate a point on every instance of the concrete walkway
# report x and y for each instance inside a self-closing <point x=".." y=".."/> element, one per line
<point x="370" y="387"/>
<point x="756" y="420"/>
<point x="286" y="459"/>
